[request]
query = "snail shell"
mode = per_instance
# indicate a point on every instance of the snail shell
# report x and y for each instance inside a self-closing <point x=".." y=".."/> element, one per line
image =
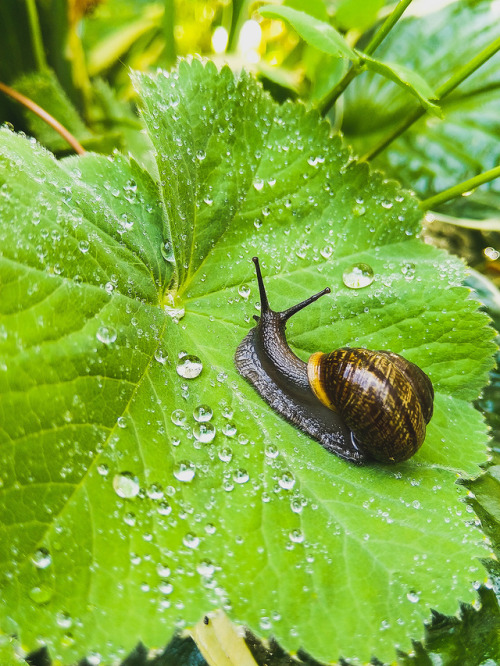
<point x="385" y="400"/>
<point x="359" y="404"/>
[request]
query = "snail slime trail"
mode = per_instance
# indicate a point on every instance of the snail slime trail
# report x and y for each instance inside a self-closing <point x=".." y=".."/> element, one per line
<point x="359" y="404"/>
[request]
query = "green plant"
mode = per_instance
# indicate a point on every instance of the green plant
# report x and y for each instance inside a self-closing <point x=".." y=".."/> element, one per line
<point x="141" y="488"/>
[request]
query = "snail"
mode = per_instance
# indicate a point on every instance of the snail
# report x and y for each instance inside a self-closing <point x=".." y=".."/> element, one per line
<point x="359" y="404"/>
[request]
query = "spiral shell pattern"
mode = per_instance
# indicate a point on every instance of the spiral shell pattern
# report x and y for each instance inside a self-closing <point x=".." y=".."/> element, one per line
<point x="385" y="400"/>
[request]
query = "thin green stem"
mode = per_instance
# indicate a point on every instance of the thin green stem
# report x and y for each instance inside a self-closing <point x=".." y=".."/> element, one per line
<point x="387" y="26"/>
<point x="460" y="189"/>
<point x="36" y="35"/>
<point x="445" y="89"/>
<point x="329" y="100"/>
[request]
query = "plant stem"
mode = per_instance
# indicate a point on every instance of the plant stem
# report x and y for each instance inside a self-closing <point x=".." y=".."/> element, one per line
<point x="445" y="89"/>
<point x="461" y="188"/>
<point x="329" y="100"/>
<point x="36" y="35"/>
<point x="50" y="120"/>
<point x="387" y="26"/>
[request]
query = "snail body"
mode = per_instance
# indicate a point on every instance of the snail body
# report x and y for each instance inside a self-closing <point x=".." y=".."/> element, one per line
<point x="359" y="404"/>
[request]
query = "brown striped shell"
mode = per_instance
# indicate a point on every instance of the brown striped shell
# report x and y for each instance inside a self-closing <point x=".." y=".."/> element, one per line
<point x="385" y="400"/>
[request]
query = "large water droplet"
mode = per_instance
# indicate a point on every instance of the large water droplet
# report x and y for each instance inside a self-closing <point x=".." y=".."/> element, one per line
<point x="202" y="413"/>
<point x="358" y="276"/>
<point x="225" y="454"/>
<point x="126" y="485"/>
<point x="204" y="432"/>
<point x="185" y="471"/>
<point x="287" y="481"/>
<point x="106" y="334"/>
<point x="191" y="540"/>
<point x="241" y="476"/>
<point x="178" y="417"/>
<point x="189" y="366"/>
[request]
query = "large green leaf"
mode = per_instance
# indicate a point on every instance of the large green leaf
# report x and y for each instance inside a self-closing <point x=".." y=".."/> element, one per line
<point x="119" y="519"/>
<point x="434" y="153"/>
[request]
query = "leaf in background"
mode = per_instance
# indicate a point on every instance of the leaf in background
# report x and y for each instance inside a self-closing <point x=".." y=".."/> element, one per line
<point x="46" y="91"/>
<point x="123" y="512"/>
<point x="435" y="154"/>
<point x="406" y="78"/>
<point x="317" y="33"/>
<point x="315" y="8"/>
<point x="351" y="14"/>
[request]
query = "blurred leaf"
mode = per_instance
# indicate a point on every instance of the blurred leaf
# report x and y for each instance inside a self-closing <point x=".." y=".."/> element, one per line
<point x="315" y="8"/>
<point x="357" y="14"/>
<point x="44" y="89"/>
<point x="435" y="154"/>
<point x="406" y="78"/>
<point x="107" y="52"/>
<point x="317" y="33"/>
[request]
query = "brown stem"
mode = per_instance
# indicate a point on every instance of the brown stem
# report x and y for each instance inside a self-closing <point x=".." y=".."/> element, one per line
<point x="50" y="120"/>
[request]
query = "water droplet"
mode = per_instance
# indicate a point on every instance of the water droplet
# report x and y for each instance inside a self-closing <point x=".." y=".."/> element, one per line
<point x="155" y="492"/>
<point x="241" y="476"/>
<point x="165" y="587"/>
<point x="129" y="518"/>
<point x="121" y="422"/>
<point x="106" y="334"/>
<point x="229" y="429"/>
<point x="225" y="454"/>
<point x="64" y="620"/>
<point x="201" y="154"/>
<point x="358" y="276"/>
<point x="202" y="413"/>
<point x="103" y="469"/>
<point x="185" y="471"/>
<point x="258" y="183"/>
<point x="326" y="252"/>
<point x="161" y="356"/>
<point x="227" y="413"/>
<point x="408" y="270"/>
<point x="271" y="451"/>
<point x="191" y="540"/>
<point x="41" y="594"/>
<point x="413" y="597"/>
<point x="126" y="485"/>
<point x="163" y="570"/>
<point x="204" y="432"/>
<point x="296" y="536"/>
<point x="164" y="508"/>
<point x="83" y="246"/>
<point x="41" y="558"/>
<point x="206" y="569"/>
<point x="358" y="210"/>
<point x="167" y="251"/>
<point x="244" y="291"/>
<point x="287" y="481"/>
<point x="173" y="310"/>
<point x="178" y="417"/>
<point x="189" y="366"/>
